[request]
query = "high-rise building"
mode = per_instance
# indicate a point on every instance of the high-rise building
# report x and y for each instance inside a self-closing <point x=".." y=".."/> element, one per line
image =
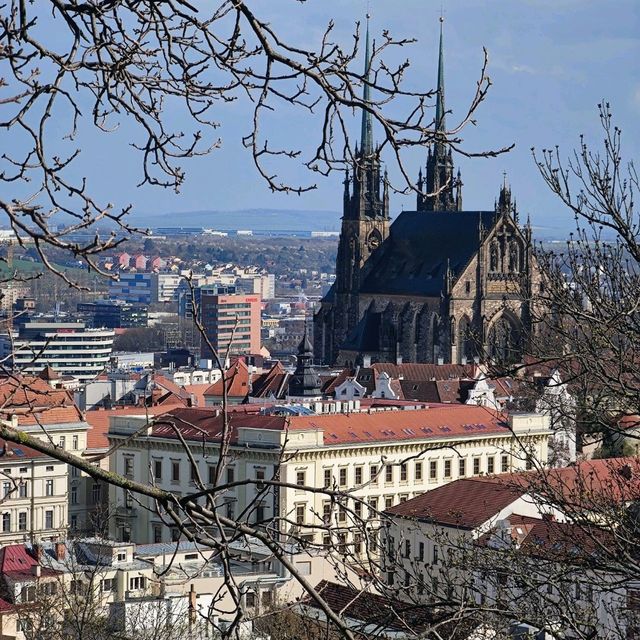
<point x="70" y="348"/>
<point x="231" y="322"/>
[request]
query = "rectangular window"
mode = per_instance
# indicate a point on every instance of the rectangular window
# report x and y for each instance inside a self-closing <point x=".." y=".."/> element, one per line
<point x="48" y="519"/>
<point x="373" y="507"/>
<point x="447" y="468"/>
<point x="476" y="466"/>
<point x="108" y="584"/>
<point x="403" y="497"/>
<point x="421" y="551"/>
<point x="23" y="489"/>
<point x="342" y="514"/>
<point x="491" y="464"/>
<point x="63" y="442"/>
<point x="404" y="472"/>
<point x="48" y="488"/>
<point x="231" y="475"/>
<point x="343" y="477"/>
<point x="417" y="471"/>
<point x="300" y="478"/>
<point x="230" y="509"/>
<point x="128" y="467"/>
<point x="74" y="495"/>
<point x="22" y="521"/>
<point x="6" y="489"/>
<point x="175" y="471"/>
<point x="358" y="475"/>
<point x="75" y="442"/>
<point x="96" y="493"/>
<point x="357" y="508"/>
<point x="6" y="522"/>
<point x="212" y="475"/>
<point x="504" y="463"/>
<point x="462" y="467"/>
<point x="157" y="533"/>
<point x="326" y="512"/>
<point x="388" y="502"/>
<point x="407" y="548"/>
<point x="327" y="478"/>
<point x="157" y="469"/>
<point x="259" y="474"/>
<point x="137" y="583"/>
<point x="433" y="469"/>
<point x="373" y="473"/>
<point x="75" y="472"/>
<point x="300" y="514"/>
<point x="388" y="474"/>
<point x="435" y="554"/>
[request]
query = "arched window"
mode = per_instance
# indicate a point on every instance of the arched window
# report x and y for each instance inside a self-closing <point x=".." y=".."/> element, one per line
<point x="494" y="256"/>
<point x="504" y="341"/>
<point x="435" y="339"/>
<point x="466" y="341"/>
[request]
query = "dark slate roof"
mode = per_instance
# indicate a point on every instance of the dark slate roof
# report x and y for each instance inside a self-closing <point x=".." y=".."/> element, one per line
<point x="414" y="257"/>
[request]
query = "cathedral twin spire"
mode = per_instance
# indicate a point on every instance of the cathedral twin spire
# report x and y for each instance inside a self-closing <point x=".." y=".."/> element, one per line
<point x="440" y="191"/>
<point x="369" y="197"/>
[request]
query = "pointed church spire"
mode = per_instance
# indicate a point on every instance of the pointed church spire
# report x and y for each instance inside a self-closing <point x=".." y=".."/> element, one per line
<point x="440" y="110"/>
<point x="366" y="135"/>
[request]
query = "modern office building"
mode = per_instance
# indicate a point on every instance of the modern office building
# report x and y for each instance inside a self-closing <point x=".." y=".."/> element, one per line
<point x="114" y="314"/>
<point x="70" y="348"/>
<point x="145" y="288"/>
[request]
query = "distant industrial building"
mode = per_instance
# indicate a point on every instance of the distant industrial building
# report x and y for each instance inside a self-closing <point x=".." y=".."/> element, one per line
<point x="70" y="348"/>
<point x="114" y="314"/>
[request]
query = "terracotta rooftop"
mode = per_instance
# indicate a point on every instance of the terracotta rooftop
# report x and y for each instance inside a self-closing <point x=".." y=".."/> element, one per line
<point x="592" y="485"/>
<point x="466" y="503"/>
<point x="35" y="402"/>
<point x="237" y="382"/>
<point x="437" y="422"/>
<point x="99" y="421"/>
<point x="387" y="615"/>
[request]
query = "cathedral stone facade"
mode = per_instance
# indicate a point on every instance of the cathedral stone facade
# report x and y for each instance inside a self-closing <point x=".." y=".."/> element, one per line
<point x="439" y="284"/>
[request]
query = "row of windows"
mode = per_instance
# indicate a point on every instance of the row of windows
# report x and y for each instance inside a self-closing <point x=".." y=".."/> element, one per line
<point x="175" y="467"/>
<point x="393" y="471"/>
<point x="21" y="489"/>
<point x="22" y="521"/>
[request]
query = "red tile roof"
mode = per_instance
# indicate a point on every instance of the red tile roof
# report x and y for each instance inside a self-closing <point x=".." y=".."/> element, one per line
<point x="12" y="452"/>
<point x="99" y="421"/>
<point x="35" y="402"/>
<point x="593" y="485"/>
<point x="437" y="422"/>
<point x="424" y="372"/>
<point x="17" y="563"/>
<point x="466" y="503"/>
<point x="237" y="382"/>
<point x="197" y="391"/>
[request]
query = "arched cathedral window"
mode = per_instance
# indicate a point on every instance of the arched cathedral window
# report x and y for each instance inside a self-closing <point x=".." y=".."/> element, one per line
<point x="504" y="341"/>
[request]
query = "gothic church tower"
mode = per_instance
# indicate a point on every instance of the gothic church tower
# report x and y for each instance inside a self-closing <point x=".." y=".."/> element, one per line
<point x="365" y="219"/>
<point x="441" y="191"/>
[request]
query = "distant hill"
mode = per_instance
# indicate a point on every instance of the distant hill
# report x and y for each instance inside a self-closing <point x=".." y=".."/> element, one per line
<point x="254" y="219"/>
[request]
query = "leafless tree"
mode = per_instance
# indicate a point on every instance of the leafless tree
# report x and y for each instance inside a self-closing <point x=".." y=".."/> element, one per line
<point x="69" y="66"/>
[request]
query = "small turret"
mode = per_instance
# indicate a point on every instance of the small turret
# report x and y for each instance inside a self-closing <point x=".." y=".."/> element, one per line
<point x="305" y="383"/>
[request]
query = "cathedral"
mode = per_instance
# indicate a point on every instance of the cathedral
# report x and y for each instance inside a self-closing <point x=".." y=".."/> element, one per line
<point x="438" y="285"/>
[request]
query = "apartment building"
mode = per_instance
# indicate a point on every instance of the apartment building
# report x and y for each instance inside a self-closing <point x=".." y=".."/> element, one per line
<point x="43" y="497"/>
<point x="70" y="348"/>
<point x="145" y="288"/>
<point x="383" y="458"/>
<point x="231" y="322"/>
<point x="518" y="544"/>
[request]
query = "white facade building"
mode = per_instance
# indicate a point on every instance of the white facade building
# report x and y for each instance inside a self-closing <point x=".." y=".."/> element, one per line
<point x="70" y="348"/>
<point x="388" y="457"/>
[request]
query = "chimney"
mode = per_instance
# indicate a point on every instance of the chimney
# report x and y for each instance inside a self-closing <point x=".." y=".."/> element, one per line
<point x="398" y="359"/>
<point x="548" y="517"/>
<point x="440" y="360"/>
<point x="37" y="571"/>
<point x="366" y="361"/>
<point x="37" y="551"/>
<point x="60" y="551"/>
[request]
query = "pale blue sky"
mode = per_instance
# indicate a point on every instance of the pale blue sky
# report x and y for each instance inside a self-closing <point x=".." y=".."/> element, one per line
<point x="551" y="62"/>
